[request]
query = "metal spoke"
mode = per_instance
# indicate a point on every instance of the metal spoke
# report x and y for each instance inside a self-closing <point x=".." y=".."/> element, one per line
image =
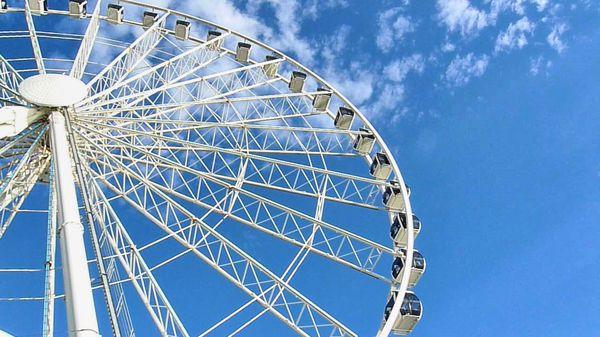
<point x="269" y="132"/>
<point x="9" y="83"/>
<point x="169" y="107"/>
<point x="264" y="172"/>
<point x="35" y="44"/>
<point x="87" y="43"/>
<point x="287" y="275"/>
<point x="129" y="59"/>
<point x="114" y="234"/>
<point x="169" y="71"/>
<point x="210" y="246"/>
<point x="258" y="212"/>
<point x="18" y="183"/>
<point x="202" y="88"/>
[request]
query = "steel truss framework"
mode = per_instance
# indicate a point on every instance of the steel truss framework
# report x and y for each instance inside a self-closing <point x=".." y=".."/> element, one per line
<point x="190" y="139"/>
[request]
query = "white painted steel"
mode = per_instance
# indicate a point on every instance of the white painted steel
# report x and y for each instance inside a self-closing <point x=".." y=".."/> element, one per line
<point x="53" y="90"/>
<point x="50" y="265"/>
<point x="15" y="119"/>
<point x="85" y="49"/>
<point x="79" y="299"/>
<point x="35" y="44"/>
<point x="159" y="103"/>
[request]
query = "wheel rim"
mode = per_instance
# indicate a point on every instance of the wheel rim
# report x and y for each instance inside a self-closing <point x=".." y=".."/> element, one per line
<point x="196" y="142"/>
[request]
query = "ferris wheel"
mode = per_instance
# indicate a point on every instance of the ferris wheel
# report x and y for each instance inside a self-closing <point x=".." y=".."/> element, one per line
<point x="196" y="182"/>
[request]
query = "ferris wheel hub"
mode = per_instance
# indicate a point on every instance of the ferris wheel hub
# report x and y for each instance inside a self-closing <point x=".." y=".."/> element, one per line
<point x="53" y="90"/>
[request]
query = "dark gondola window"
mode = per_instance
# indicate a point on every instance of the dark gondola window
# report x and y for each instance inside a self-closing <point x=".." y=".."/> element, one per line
<point x="415" y="306"/>
<point x="418" y="260"/>
<point x="388" y="308"/>
<point x="416" y="222"/>
<point x="395" y="228"/>
<point x="405" y="308"/>
<point x="397" y="266"/>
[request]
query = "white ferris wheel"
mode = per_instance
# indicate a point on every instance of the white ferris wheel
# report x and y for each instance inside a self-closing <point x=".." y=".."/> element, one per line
<point x="196" y="182"/>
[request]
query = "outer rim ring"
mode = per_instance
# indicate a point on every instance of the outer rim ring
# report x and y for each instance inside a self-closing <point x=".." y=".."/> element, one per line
<point x="403" y="287"/>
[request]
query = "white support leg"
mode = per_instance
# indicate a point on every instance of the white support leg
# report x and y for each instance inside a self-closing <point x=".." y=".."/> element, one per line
<point x="81" y="313"/>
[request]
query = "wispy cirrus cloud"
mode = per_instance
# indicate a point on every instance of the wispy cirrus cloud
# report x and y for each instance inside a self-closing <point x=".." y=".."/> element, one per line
<point x="515" y="36"/>
<point x="517" y="6"/>
<point x="539" y="65"/>
<point x="394" y="25"/>
<point x="463" y="68"/>
<point x="312" y="8"/>
<point x="397" y="70"/>
<point x="460" y="16"/>
<point x="555" y="37"/>
<point x="392" y="91"/>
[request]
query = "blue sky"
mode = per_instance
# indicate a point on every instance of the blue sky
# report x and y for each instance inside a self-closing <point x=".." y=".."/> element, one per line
<point x="491" y="108"/>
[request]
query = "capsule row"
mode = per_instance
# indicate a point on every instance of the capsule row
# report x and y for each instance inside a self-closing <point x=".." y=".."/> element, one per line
<point x="411" y="308"/>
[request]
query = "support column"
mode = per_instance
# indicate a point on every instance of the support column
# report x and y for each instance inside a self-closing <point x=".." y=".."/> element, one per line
<point x="81" y="313"/>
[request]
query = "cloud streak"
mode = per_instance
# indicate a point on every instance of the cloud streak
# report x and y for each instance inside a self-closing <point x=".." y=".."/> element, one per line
<point x="464" y="68"/>
<point x="515" y="36"/>
<point x="393" y="27"/>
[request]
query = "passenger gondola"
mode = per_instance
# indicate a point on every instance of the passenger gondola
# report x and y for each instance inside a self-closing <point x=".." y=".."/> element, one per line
<point x="78" y="8"/>
<point x="38" y="6"/>
<point x="364" y="141"/>
<point x="242" y="53"/>
<point x="344" y="118"/>
<point x="115" y="13"/>
<point x="297" y="81"/>
<point x="321" y="100"/>
<point x="398" y="230"/>
<point x="411" y="312"/>
<point x="149" y="19"/>
<point x="214" y="35"/>
<point x="272" y="68"/>
<point x="182" y="29"/>
<point x="381" y="168"/>
<point x="417" y="268"/>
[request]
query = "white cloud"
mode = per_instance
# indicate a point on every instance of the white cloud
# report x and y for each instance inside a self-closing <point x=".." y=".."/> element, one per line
<point x="462" y="69"/>
<point x="459" y="15"/>
<point x="448" y="47"/>
<point x="391" y="92"/>
<point x="288" y="27"/>
<point x="355" y="80"/>
<point x="554" y="38"/>
<point x="397" y="70"/>
<point x="225" y="13"/>
<point x="517" y="6"/>
<point x="541" y="4"/>
<point x="389" y="96"/>
<point x="393" y="27"/>
<point x="311" y="8"/>
<point x="337" y="41"/>
<point x="536" y="65"/>
<point x="515" y="35"/>
<point x="284" y="34"/>
<point x="499" y="6"/>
